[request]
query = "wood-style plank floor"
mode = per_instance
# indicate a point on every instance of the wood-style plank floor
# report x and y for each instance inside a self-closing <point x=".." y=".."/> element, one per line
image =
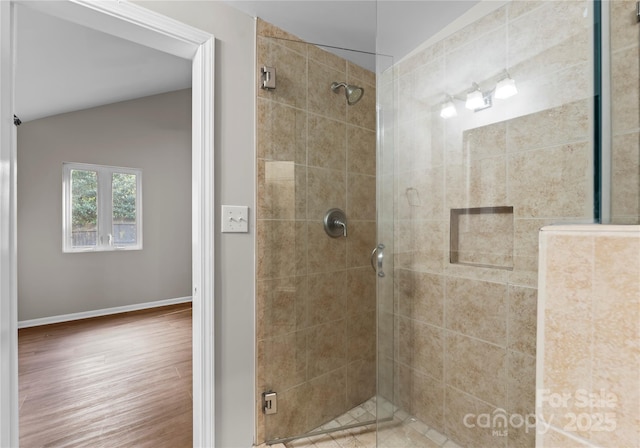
<point x="114" y="381"/>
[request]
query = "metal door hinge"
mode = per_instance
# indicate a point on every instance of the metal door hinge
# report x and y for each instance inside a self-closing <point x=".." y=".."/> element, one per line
<point x="268" y="77"/>
<point x="270" y="402"/>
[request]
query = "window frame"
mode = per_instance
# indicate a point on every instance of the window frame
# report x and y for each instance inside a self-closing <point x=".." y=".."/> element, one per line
<point x="104" y="196"/>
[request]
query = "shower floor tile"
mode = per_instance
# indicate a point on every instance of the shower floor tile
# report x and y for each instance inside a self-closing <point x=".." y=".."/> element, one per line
<point x="404" y="431"/>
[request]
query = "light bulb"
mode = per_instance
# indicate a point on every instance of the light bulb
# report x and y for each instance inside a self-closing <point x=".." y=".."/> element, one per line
<point x="505" y="88"/>
<point x="448" y="109"/>
<point x="475" y="100"/>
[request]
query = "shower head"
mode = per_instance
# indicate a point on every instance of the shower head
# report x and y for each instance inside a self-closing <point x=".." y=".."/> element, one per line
<point x="353" y="93"/>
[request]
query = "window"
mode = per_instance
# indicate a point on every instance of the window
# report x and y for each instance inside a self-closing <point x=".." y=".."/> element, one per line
<point x="102" y="208"/>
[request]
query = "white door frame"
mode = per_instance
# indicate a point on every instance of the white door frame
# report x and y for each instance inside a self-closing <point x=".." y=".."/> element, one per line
<point x="129" y="21"/>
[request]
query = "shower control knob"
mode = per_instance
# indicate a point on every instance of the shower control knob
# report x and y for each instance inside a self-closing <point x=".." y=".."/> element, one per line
<point x="335" y="223"/>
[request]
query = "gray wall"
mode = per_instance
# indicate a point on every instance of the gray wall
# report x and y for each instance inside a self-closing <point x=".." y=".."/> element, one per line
<point x="153" y="134"/>
<point x="235" y="83"/>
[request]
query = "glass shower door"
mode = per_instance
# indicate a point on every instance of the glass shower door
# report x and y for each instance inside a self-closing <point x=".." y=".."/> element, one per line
<point x="316" y="290"/>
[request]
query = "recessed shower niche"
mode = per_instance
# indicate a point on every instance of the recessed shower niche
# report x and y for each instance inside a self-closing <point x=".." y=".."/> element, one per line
<point x="482" y="236"/>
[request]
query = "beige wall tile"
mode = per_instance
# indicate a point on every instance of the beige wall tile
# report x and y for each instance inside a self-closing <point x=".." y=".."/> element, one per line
<point x="422" y="143"/>
<point x="301" y="247"/>
<point x="457" y="406"/>
<point x="359" y="114"/>
<point x="521" y="387"/>
<point x="326" y="348"/>
<point x="326" y="297"/>
<point x="624" y="20"/>
<point x="567" y="365"/>
<point x="566" y="123"/>
<point x="519" y="7"/>
<point x="485" y="141"/>
<point x="476" y="272"/>
<point x="325" y="190"/>
<point x="428" y="350"/>
<point x="523" y="314"/>
<point x="427" y="399"/>
<point x="625" y="175"/>
<point x="326" y="398"/>
<point x="267" y="29"/>
<point x="406" y="341"/>
<point x="322" y="100"/>
<point x="292" y="413"/>
<point x="477" y="368"/>
<point x="480" y="184"/>
<point x="625" y="107"/>
<point x="616" y="322"/>
<point x="361" y="382"/>
<point x="276" y="248"/>
<point x="412" y="106"/>
<point x="361" y="240"/>
<point x="545" y="27"/>
<point x="554" y="182"/>
<point x="420" y="57"/>
<point x="282" y="190"/>
<point x="361" y="197"/>
<point x="361" y="150"/>
<point x="421" y="296"/>
<point x="421" y="194"/>
<point x="568" y="275"/>
<point x="421" y="245"/>
<point x="547" y="62"/>
<point x="326" y="143"/>
<point x="481" y="59"/>
<point x="522" y="436"/>
<point x="483" y="239"/>
<point x="404" y="393"/>
<point x="477" y="309"/>
<point x="361" y="290"/>
<point x="470" y="33"/>
<point x="553" y="438"/>
<point x="319" y="54"/>
<point x="326" y="254"/>
<point x="361" y="336"/>
<point x="284" y="361"/>
<point x="428" y="85"/>
<point x="358" y="73"/>
<point x="291" y="68"/>
<point x="280" y="306"/>
<point x="281" y="133"/>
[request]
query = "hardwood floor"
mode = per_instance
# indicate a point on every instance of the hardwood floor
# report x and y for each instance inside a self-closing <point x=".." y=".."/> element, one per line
<point x="114" y="381"/>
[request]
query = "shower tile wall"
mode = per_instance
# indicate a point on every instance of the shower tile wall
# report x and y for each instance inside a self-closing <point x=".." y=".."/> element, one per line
<point x="591" y="335"/>
<point x="625" y="114"/>
<point x="316" y="308"/>
<point x="466" y="335"/>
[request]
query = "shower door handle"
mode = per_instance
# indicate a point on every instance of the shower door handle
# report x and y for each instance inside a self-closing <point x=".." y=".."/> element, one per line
<point x="378" y="254"/>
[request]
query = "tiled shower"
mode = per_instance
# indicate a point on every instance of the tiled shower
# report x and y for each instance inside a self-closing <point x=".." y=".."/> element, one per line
<point x="457" y="311"/>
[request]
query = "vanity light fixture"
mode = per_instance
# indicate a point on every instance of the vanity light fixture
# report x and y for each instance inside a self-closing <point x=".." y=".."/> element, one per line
<point x="477" y="99"/>
<point x="448" y="109"/>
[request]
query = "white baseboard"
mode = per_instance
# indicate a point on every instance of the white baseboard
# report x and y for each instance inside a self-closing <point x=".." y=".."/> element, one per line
<point x="98" y="313"/>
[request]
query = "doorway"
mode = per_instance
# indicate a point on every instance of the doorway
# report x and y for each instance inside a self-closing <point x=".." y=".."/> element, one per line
<point x="141" y="26"/>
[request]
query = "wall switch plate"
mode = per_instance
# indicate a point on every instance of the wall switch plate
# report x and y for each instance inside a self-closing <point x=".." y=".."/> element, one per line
<point x="235" y="219"/>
